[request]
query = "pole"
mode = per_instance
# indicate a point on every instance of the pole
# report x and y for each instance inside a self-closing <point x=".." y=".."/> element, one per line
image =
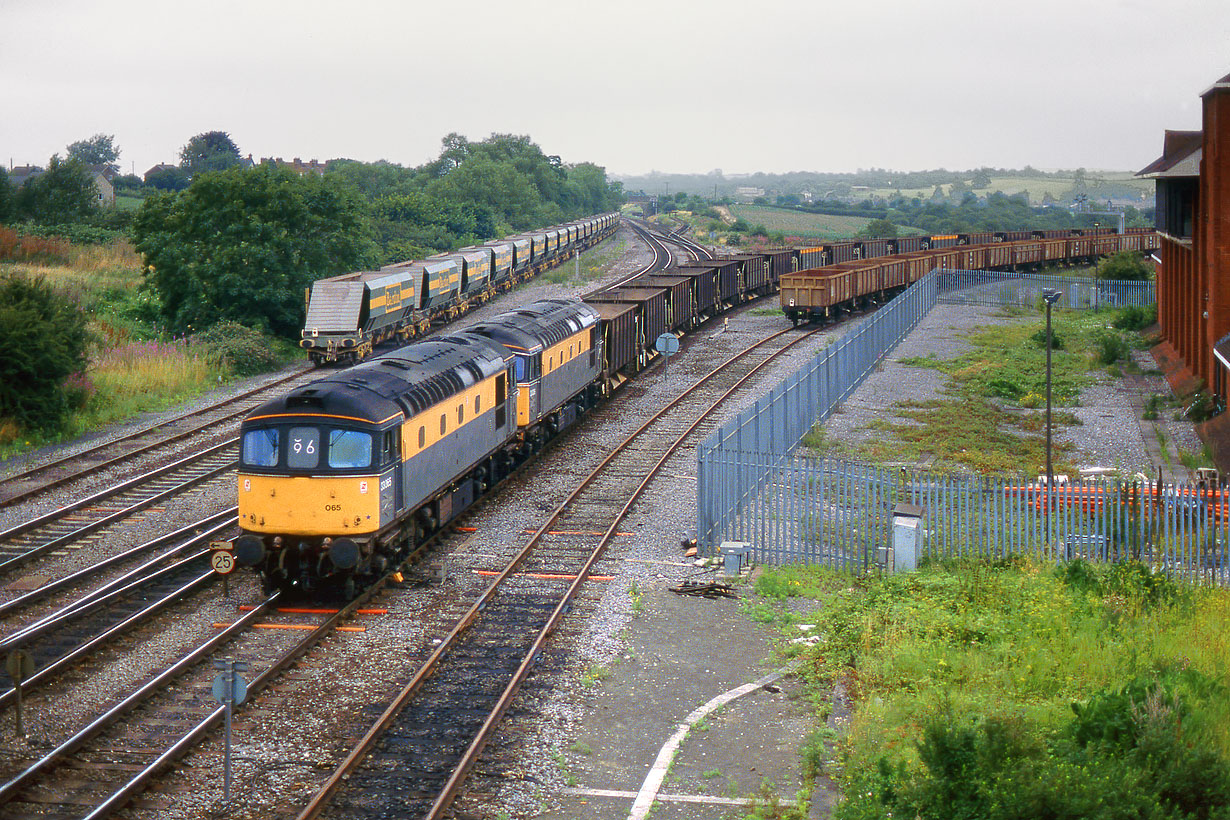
<point x="1051" y="475"/>
<point x="1050" y="296"/>
<point x="226" y="777"/>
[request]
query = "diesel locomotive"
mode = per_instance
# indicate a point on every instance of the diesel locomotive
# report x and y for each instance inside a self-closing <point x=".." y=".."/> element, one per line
<point x="341" y="478"/>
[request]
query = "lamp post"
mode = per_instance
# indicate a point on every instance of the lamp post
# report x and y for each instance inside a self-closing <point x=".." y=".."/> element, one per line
<point x="1050" y="295"/>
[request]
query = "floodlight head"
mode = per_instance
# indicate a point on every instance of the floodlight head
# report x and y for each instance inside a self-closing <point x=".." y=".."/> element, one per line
<point x="1051" y="295"/>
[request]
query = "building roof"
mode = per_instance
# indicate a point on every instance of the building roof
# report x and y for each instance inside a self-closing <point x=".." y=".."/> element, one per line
<point x="1221" y="85"/>
<point x="1181" y="152"/>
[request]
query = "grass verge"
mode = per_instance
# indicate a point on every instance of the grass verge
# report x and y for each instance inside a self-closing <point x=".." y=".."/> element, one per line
<point x="1016" y="689"/>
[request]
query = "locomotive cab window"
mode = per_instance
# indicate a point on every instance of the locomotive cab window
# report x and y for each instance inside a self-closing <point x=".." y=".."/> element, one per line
<point x="390" y="450"/>
<point x="528" y="368"/>
<point x="349" y="449"/>
<point x="478" y="403"/>
<point x="303" y="448"/>
<point x="260" y="447"/>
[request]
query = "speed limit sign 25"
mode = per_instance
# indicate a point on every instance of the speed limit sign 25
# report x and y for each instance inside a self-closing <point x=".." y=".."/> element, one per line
<point x="222" y="561"/>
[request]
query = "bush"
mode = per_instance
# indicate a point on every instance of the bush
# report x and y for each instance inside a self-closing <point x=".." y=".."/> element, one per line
<point x="1203" y="407"/>
<point x="239" y="350"/>
<point x="1135" y="318"/>
<point x="1038" y="339"/>
<point x="44" y="338"/>
<point x="1110" y="347"/>
<point x="1125" y="265"/>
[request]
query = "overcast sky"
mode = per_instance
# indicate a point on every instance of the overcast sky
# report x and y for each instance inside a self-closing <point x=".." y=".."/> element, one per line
<point x="632" y="85"/>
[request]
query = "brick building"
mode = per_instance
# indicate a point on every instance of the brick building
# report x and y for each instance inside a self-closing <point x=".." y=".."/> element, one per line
<point x="1193" y="275"/>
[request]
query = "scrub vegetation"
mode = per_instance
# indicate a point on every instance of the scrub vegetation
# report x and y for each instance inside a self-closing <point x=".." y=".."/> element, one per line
<point x="86" y="348"/>
<point x="1018" y="689"/>
<point x="992" y="419"/>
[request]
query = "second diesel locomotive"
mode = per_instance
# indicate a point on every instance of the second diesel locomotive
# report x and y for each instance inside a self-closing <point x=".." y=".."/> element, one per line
<point x="344" y="476"/>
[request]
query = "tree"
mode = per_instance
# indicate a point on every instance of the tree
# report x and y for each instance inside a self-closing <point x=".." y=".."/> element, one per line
<point x="982" y="179"/>
<point x="168" y="179"/>
<point x="243" y="244"/>
<point x="8" y="203"/>
<point x="44" y="336"/>
<point x="210" y="151"/>
<point x="99" y="149"/>
<point x="65" y="192"/>
<point x="877" y="228"/>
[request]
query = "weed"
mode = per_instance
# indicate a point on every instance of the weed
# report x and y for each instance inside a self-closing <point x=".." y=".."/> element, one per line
<point x="1153" y="406"/>
<point x="1110" y="347"/>
<point x="595" y="674"/>
<point x="814" y="751"/>
<point x="701" y="725"/>
<point x="637" y="597"/>
<point x="1038" y="339"/>
<point x="711" y="774"/>
<point x="581" y="748"/>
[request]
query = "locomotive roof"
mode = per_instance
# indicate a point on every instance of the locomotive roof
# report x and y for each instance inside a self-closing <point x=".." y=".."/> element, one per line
<point x="538" y="325"/>
<point x="403" y="382"/>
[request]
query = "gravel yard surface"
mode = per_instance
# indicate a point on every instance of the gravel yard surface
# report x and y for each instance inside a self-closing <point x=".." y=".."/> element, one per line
<point x="1110" y="434"/>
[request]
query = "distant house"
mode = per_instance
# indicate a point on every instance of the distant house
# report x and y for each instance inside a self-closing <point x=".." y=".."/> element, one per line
<point x="748" y="193"/>
<point x="100" y="175"/>
<point x="159" y="168"/>
<point x="297" y="165"/>
<point x="21" y="174"/>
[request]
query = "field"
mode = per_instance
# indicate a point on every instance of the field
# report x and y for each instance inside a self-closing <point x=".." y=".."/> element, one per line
<point x="1058" y="187"/>
<point x="796" y="223"/>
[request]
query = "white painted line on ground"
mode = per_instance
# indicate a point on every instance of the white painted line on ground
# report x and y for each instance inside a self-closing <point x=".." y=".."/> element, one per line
<point x="657" y="773"/>
<point x="665" y="798"/>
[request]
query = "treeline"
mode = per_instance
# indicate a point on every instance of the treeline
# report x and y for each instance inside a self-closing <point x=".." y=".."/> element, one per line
<point x="474" y="191"/>
<point x="243" y="244"/>
<point x="998" y="212"/>
<point x="796" y="187"/>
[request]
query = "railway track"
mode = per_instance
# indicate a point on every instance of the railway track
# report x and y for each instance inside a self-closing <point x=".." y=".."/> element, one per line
<point x="413" y="760"/>
<point x="104" y="764"/>
<point x="78" y="628"/>
<point x="38" y="479"/>
<point x="67" y="527"/>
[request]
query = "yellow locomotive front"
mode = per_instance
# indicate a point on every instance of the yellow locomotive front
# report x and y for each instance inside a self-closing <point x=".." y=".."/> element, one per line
<point x="317" y="485"/>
